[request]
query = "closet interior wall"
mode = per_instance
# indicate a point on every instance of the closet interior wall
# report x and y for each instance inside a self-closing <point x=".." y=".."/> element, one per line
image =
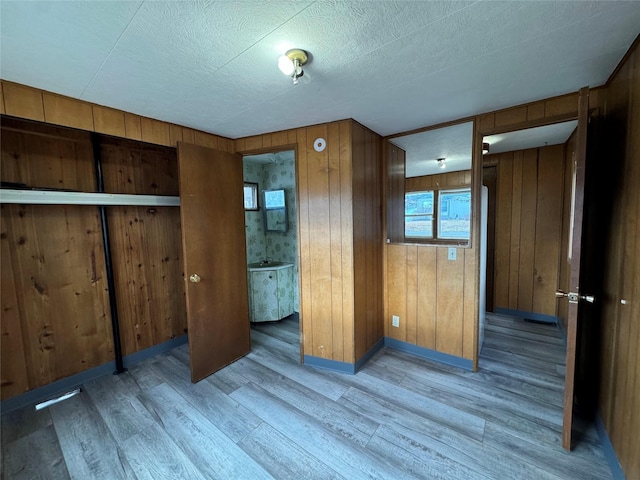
<point x="55" y="300"/>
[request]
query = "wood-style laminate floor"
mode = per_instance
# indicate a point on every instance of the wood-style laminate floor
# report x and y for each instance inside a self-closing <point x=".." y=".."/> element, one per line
<point x="265" y="416"/>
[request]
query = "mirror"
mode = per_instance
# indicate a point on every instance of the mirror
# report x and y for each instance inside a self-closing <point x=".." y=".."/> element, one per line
<point x="275" y="211"/>
<point x="429" y="194"/>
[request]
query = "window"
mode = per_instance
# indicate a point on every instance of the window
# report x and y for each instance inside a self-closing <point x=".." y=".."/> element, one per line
<point x="438" y="214"/>
<point x="250" y="196"/>
<point x="418" y="214"/>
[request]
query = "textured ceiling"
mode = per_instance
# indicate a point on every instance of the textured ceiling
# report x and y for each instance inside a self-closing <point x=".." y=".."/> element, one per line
<point x="423" y="150"/>
<point x="391" y="65"/>
<point x="531" y="138"/>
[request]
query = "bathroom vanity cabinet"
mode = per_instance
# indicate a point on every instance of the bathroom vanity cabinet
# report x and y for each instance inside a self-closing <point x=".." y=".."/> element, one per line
<point x="270" y="291"/>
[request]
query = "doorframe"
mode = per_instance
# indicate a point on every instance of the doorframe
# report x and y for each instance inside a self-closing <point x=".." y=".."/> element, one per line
<point x="480" y="133"/>
<point x="285" y="148"/>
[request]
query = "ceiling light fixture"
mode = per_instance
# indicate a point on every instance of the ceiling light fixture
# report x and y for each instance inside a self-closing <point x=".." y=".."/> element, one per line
<point x="485" y="148"/>
<point x="291" y="63"/>
<point x="441" y="163"/>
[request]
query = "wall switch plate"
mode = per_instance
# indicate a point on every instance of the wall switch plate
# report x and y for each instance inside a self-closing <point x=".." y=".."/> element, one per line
<point x="453" y="253"/>
<point x="395" y="321"/>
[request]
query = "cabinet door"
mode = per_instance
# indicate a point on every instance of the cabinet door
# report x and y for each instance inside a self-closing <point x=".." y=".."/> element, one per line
<point x="215" y="264"/>
<point x="264" y="286"/>
<point x="285" y="292"/>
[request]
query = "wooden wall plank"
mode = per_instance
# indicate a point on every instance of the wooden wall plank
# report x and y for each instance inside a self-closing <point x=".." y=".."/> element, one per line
<point x="619" y="401"/>
<point x="528" y="228"/>
<point x="397" y="289"/>
<point x="188" y="135"/>
<point x="395" y="192"/>
<point x="320" y="248"/>
<point x="133" y="126"/>
<point x="109" y="121"/>
<point x="449" y="323"/>
<point x="304" y="243"/>
<point x="138" y="168"/>
<point x="45" y="156"/>
<point x="348" y="244"/>
<point x="565" y="104"/>
<point x="2" y="110"/>
<point x="535" y="111"/>
<point x="58" y="267"/>
<point x="155" y="131"/>
<point x="413" y="289"/>
<point x="67" y="111"/>
<point x="358" y="195"/>
<point x="441" y="180"/>
<point x="334" y="145"/>
<point x="427" y="298"/>
<point x="175" y="135"/>
<point x="253" y="143"/>
<point x="470" y="303"/>
<point x="516" y="208"/>
<point x="510" y="116"/>
<point x="503" y="230"/>
<point x="147" y="258"/>
<point x="14" y="373"/>
<point x="23" y="102"/>
<point x="206" y="139"/>
<point x="548" y="228"/>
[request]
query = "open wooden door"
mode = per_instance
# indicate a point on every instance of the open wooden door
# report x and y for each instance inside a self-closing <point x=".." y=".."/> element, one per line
<point x="215" y="262"/>
<point x="574" y="295"/>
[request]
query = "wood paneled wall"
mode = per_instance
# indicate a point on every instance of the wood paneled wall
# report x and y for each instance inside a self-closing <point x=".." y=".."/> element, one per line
<point x="620" y="323"/>
<point x="529" y="209"/>
<point x="145" y="243"/>
<point x="34" y="104"/>
<point x="440" y="297"/>
<point x="395" y="185"/>
<point x="56" y="320"/>
<point x="367" y="233"/>
<point x="435" y="298"/>
<point x="55" y="307"/>
<point x="439" y="181"/>
<point x="339" y="233"/>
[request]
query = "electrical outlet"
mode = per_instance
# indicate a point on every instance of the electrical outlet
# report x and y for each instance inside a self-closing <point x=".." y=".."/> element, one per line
<point x="395" y="321"/>
<point x="453" y="253"/>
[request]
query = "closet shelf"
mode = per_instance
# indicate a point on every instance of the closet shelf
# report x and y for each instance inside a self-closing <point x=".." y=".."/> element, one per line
<point x="49" y="197"/>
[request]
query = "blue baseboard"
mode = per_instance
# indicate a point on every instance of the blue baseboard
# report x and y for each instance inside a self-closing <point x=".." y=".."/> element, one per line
<point x="429" y="354"/>
<point x="609" y="452"/>
<point x="539" y="317"/>
<point x="64" y="385"/>
<point x="343" y="367"/>
<point x="422" y="352"/>
<point x="327" y="364"/>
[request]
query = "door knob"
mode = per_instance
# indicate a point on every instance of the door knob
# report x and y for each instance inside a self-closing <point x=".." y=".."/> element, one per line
<point x="574" y="297"/>
<point x="195" y="278"/>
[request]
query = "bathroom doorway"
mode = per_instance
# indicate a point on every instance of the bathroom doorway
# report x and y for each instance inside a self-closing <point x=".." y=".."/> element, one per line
<point x="271" y="220"/>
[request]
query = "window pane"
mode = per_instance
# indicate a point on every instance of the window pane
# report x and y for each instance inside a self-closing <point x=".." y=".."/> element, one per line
<point x="418" y="203"/>
<point x="418" y="226"/>
<point x="250" y="196"/>
<point x="455" y="214"/>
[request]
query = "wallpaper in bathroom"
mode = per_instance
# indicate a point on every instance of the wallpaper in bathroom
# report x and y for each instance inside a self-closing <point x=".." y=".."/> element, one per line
<point x="275" y="246"/>
<point x="256" y="241"/>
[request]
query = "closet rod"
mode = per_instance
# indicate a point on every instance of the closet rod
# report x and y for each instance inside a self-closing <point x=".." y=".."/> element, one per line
<point x="115" y="324"/>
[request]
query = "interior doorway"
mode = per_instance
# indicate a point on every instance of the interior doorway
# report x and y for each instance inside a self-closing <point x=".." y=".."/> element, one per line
<point x="528" y="176"/>
<point x="271" y="219"/>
